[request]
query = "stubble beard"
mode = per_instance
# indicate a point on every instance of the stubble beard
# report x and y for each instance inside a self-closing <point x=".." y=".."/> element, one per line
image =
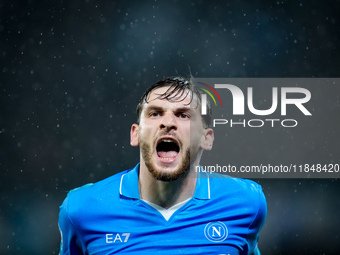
<point x="182" y="171"/>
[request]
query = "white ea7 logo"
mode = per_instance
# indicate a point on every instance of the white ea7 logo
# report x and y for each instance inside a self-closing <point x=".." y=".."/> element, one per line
<point x="216" y="231"/>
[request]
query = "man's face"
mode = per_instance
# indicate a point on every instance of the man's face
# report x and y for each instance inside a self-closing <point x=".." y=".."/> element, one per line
<point x="164" y="135"/>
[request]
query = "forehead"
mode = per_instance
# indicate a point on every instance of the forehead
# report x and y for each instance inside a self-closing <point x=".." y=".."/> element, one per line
<point x="164" y="94"/>
<point x="185" y="100"/>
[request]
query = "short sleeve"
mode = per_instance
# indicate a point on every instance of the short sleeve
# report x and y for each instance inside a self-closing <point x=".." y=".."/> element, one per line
<point x="70" y="240"/>
<point x="258" y="222"/>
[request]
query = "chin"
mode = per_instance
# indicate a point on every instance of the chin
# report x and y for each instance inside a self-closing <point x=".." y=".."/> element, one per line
<point x="166" y="170"/>
<point x="170" y="172"/>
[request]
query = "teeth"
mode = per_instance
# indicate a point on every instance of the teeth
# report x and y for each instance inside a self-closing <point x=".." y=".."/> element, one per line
<point x="167" y="140"/>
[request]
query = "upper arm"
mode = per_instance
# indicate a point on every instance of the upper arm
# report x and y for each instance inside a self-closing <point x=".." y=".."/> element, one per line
<point x="70" y="240"/>
<point x="257" y="223"/>
<point x="256" y="251"/>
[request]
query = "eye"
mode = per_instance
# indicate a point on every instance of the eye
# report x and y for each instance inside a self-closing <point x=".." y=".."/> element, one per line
<point x="154" y="114"/>
<point x="184" y="116"/>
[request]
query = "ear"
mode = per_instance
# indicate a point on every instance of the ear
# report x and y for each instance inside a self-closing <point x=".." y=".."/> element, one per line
<point x="134" y="135"/>
<point x="208" y="139"/>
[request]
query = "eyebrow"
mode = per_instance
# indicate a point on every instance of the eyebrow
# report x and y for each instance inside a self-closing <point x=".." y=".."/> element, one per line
<point x="159" y="108"/>
<point x="153" y="108"/>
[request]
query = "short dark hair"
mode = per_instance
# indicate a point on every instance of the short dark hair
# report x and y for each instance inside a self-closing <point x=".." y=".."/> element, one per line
<point x="177" y="88"/>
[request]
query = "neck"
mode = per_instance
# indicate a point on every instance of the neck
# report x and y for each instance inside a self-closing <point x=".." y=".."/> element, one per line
<point x="166" y="194"/>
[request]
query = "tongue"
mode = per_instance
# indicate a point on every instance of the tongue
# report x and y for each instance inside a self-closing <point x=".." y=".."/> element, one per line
<point x="167" y="154"/>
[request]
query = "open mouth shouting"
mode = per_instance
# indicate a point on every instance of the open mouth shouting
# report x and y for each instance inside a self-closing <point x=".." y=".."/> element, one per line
<point x="167" y="149"/>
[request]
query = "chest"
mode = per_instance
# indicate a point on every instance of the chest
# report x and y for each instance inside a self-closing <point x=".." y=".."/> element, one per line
<point x="141" y="229"/>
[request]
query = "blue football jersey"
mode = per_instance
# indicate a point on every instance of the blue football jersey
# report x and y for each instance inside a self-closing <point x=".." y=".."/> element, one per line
<point x="224" y="216"/>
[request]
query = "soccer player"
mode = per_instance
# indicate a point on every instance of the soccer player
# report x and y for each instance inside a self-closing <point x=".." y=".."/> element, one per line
<point x="164" y="205"/>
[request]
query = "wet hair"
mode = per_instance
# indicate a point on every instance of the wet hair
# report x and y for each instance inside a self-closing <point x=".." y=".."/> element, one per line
<point x="178" y="87"/>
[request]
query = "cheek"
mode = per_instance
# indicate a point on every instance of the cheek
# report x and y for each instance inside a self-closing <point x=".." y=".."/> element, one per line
<point x="141" y="135"/>
<point x="195" y="138"/>
<point x="144" y="133"/>
<point x="189" y="139"/>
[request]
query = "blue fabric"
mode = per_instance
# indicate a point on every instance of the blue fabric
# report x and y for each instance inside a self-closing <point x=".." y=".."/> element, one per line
<point x="224" y="216"/>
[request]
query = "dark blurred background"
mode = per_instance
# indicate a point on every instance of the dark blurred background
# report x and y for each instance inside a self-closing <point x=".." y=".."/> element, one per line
<point x="72" y="71"/>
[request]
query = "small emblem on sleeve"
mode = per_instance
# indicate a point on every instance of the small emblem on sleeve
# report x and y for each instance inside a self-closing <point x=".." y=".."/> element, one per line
<point x="216" y="231"/>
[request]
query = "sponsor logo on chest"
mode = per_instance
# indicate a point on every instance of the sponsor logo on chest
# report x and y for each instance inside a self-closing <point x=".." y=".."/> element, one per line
<point x="117" y="238"/>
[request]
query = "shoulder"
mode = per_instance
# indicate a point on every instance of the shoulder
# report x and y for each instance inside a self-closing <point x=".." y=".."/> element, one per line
<point x="238" y="193"/>
<point x="94" y="189"/>
<point x="229" y="184"/>
<point x="77" y="201"/>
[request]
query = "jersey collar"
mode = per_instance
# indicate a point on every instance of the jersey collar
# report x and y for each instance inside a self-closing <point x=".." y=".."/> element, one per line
<point x="129" y="185"/>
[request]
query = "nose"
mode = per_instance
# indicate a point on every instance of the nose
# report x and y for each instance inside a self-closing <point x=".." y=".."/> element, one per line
<point x="168" y="122"/>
